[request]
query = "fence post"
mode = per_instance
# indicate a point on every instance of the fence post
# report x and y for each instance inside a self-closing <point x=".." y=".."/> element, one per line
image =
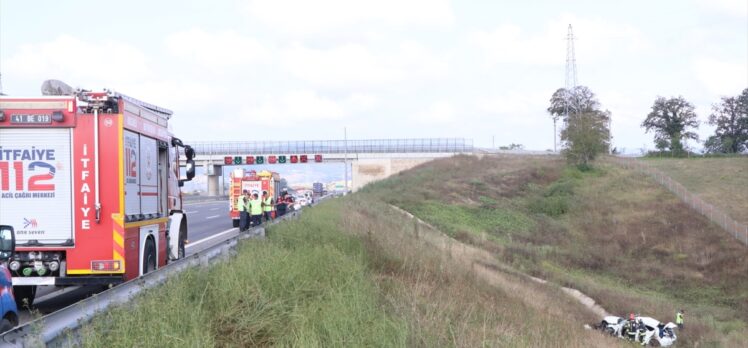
<point x="735" y="223"/>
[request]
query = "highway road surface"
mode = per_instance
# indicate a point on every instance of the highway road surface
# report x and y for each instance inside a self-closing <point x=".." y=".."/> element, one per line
<point x="208" y="223"/>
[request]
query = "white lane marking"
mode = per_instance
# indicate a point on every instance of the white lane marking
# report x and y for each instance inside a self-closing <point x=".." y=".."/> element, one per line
<point x="190" y="212"/>
<point x="214" y="208"/>
<point x="191" y="244"/>
<point x="212" y="217"/>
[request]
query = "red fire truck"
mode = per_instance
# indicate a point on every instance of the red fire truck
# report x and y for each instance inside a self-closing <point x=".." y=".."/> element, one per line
<point x="252" y="182"/>
<point x="91" y="183"/>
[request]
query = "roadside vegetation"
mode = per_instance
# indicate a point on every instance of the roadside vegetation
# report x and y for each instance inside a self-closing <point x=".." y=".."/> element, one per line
<point x="721" y="181"/>
<point x="350" y="273"/>
<point x="307" y="285"/>
<point x="357" y="272"/>
<point x="609" y="232"/>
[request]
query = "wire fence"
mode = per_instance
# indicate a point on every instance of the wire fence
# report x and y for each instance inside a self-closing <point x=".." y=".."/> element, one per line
<point x="733" y="227"/>
<point x="425" y="145"/>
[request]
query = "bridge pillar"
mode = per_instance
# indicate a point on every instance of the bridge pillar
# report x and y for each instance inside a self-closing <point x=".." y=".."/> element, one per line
<point x="213" y="172"/>
<point x="370" y="170"/>
<point x="213" y="185"/>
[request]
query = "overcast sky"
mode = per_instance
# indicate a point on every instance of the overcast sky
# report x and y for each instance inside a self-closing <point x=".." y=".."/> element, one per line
<point x="295" y="70"/>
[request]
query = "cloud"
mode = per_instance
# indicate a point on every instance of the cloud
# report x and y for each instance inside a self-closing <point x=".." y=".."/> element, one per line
<point x="297" y="108"/>
<point x="226" y="49"/>
<point x="733" y="8"/>
<point x="80" y="63"/>
<point x="293" y="107"/>
<point x="438" y="112"/>
<point x="515" y="108"/>
<point x="306" y="18"/>
<point x="356" y="65"/>
<point x="596" y="39"/>
<point x="720" y="77"/>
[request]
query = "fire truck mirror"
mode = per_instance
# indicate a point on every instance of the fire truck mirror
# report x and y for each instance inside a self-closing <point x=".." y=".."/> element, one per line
<point x="189" y="152"/>
<point x="7" y="242"/>
<point x="190" y="169"/>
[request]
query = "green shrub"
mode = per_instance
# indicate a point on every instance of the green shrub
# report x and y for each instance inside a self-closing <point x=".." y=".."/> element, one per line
<point x="551" y="206"/>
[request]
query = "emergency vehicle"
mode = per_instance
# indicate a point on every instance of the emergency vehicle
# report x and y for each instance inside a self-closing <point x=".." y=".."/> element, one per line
<point x="91" y="183"/>
<point x="252" y="182"/>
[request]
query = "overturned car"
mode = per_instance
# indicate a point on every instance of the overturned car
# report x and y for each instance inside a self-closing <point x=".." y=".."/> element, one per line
<point x="639" y="329"/>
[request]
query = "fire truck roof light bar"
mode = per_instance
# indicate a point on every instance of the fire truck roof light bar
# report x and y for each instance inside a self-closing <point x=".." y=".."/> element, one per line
<point x="163" y="111"/>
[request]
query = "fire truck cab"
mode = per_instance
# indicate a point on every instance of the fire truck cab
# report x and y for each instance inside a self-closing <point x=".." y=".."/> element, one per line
<point x="90" y="181"/>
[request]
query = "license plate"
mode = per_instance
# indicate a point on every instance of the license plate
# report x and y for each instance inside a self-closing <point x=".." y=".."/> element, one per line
<point x="38" y="264"/>
<point x="30" y="118"/>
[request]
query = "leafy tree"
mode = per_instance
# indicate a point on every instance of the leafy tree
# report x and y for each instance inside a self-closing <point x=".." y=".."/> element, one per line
<point x="512" y="146"/>
<point x="731" y="118"/>
<point x="671" y="120"/>
<point x="586" y="135"/>
<point x="580" y="99"/>
<point x="565" y="102"/>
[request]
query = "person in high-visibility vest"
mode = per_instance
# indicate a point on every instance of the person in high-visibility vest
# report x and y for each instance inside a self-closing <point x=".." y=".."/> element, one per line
<point x="679" y="319"/>
<point x="241" y="206"/>
<point x="255" y="210"/>
<point x="267" y="206"/>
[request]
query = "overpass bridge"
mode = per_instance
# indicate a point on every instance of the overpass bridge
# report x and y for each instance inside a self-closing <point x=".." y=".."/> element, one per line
<point x="371" y="159"/>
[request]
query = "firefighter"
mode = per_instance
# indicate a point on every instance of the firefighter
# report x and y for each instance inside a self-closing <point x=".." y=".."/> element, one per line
<point x="267" y="206"/>
<point x="629" y="327"/>
<point x="289" y="202"/>
<point x="255" y="210"/>
<point x="241" y="206"/>
<point x="679" y="319"/>
<point x="280" y="204"/>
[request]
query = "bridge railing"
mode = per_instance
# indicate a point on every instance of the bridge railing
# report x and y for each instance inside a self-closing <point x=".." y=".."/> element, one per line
<point x="423" y="145"/>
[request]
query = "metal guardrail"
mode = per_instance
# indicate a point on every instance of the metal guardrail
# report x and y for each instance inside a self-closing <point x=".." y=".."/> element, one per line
<point x="60" y="328"/>
<point x="425" y="145"/>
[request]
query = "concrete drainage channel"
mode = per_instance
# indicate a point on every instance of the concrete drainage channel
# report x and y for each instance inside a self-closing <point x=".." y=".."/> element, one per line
<point x="60" y="328"/>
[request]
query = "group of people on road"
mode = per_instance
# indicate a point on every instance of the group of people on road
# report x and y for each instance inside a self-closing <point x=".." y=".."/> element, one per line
<point x="284" y="204"/>
<point x="252" y="208"/>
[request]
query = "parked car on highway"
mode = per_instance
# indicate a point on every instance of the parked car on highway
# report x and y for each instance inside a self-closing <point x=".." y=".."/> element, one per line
<point x="8" y="306"/>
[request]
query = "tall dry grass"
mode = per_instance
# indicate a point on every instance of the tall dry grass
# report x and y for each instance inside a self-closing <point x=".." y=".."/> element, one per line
<point x="454" y="294"/>
<point x="610" y="232"/>
<point x="722" y="182"/>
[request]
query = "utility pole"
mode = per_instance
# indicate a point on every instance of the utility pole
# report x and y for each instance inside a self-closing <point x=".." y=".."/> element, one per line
<point x="493" y="141"/>
<point x="345" y="146"/>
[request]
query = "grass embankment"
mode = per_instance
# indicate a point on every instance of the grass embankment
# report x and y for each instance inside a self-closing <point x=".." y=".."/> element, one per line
<point x="350" y="273"/>
<point x="721" y="181"/>
<point x="308" y="285"/>
<point x="611" y="233"/>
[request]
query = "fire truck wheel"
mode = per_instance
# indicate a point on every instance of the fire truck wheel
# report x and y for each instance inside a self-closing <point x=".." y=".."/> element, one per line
<point x="235" y="222"/>
<point x="24" y="295"/>
<point x="149" y="257"/>
<point x="5" y="325"/>
<point x="181" y="251"/>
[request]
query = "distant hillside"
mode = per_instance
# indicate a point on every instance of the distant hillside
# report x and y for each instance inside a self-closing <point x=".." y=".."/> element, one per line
<point x="723" y="182"/>
<point x="612" y="233"/>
